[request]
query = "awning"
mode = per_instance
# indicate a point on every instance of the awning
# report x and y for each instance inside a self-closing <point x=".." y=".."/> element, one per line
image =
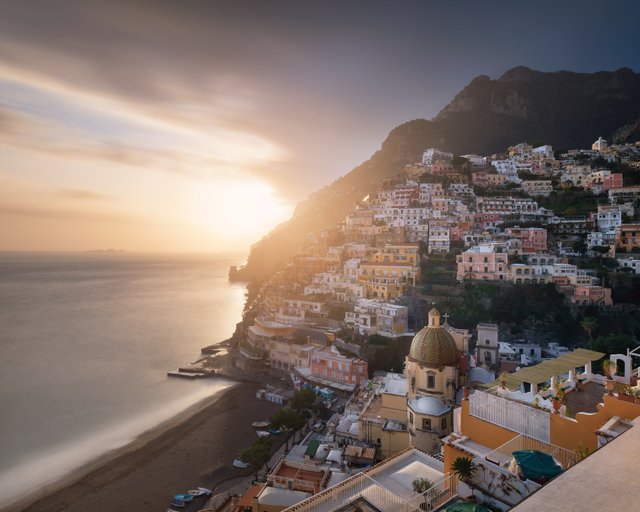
<point x="542" y="372"/>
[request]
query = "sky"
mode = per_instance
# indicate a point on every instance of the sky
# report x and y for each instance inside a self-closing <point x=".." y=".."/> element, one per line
<point x="197" y="125"/>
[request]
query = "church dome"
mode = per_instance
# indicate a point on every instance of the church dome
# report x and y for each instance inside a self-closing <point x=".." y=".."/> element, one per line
<point x="434" y="345"/>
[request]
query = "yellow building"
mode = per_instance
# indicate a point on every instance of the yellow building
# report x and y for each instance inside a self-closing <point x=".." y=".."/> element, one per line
<point x="382" y="420"/>
<point x="432" y="370"/>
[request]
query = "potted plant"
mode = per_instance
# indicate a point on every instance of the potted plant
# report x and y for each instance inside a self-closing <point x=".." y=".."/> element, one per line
<point x="464" y="468"/>
<point x="625" y="394"/>
<point x="609" y="369"/>
<point x="558" y="397"/>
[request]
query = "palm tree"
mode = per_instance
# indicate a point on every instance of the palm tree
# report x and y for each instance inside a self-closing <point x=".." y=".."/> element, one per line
<point x="463" y="468"/>
<point x="589" y="324"/>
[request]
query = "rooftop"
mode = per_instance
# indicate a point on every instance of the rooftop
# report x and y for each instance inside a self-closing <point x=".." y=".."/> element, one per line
<point x="593" y="483"/>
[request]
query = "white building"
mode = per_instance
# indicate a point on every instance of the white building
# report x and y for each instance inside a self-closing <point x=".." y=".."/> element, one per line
<point x="432" y="155"/>
<point x="375" y="317"/>
<point x="599" y="145"/>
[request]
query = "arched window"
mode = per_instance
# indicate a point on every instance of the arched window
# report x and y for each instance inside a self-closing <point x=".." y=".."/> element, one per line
<point x="487" y="357"/>
<point x="431" y="380"/>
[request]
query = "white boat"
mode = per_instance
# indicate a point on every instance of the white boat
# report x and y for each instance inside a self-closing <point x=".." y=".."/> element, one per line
<point x="262" y="433"/>
<point x="207" y="492"/>
<point x="260" y="424"/>
<point x="195" y="492"/>
<point x="239" y="464"/>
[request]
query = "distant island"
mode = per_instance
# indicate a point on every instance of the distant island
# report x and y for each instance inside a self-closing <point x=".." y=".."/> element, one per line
<point x="110" y="251"/>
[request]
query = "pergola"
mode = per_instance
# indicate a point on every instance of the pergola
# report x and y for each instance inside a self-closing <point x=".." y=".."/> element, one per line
<point x="542" y="372"/>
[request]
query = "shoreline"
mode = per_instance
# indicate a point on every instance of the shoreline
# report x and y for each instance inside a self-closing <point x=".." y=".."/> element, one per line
<point x="194" y="448"/>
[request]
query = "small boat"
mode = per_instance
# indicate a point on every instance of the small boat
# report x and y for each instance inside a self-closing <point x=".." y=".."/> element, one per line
<point x="260" y="424"/>
<point x="239" y="464"/>
<point x="183" y="497"/>
<point x="262" y="433"/>
<point x="195" y="492"/>
<point x="274" y="431"/>
<point x="207" y="492"/>
<point x="177" y="504"/>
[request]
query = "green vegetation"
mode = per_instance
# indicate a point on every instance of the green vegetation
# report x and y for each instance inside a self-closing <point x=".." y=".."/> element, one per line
<point x="613" y="344"/>
<point x="463" y="468"/>
<point x="572" y="201"/>
<point x="257" y="455"/>
<point x="421" y="485"/>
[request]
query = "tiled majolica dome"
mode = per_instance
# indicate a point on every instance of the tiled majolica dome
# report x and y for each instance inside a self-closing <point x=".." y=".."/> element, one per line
<point x="433" y="345"/>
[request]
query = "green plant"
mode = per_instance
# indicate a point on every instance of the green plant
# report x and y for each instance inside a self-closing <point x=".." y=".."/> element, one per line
<point x="582" y="451"/>
<point x="420" y="485"/>
<point x="463" y="468"/>
<point x="609" y="368"/>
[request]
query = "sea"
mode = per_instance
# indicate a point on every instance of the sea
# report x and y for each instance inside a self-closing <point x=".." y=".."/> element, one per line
<point x="86" y="340"/>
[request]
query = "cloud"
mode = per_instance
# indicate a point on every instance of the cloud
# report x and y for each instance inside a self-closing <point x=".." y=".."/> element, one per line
<point x="83" y="195"/>
<point x="69" y="214"/>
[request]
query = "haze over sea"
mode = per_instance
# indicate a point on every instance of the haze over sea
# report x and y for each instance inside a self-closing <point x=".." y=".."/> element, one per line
<point x="86" y="340"/>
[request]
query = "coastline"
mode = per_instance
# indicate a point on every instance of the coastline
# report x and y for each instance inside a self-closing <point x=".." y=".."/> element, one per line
<point x="194" y="448"/>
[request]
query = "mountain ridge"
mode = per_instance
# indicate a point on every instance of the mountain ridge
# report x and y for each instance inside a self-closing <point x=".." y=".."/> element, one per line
<point x="565" y="109"/>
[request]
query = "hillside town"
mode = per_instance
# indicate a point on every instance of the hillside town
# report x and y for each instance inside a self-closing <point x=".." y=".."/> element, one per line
<point x="457" y="417"/>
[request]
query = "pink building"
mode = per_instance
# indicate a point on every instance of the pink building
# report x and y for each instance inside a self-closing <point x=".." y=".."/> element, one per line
<point x="612" y="181"/>
<point x="486" y="220"/>
<point x="587" y="295"/>
<point x="329" y="366"/>
<point x="534" y="240"/>
<point x="482" y="262"/>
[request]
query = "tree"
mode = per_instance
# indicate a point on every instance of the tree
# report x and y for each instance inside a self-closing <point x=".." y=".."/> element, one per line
<point x="303" y="401"/>
<point x="613" y="343"/>
<point x="589" y="324"/>
<point x="257" y="455"/>
<point x="420" y="485"/>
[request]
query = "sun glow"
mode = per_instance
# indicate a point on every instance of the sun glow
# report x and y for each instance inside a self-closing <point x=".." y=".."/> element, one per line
<point x="237" y="210"/>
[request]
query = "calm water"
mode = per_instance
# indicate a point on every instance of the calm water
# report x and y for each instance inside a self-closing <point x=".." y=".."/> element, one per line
<point x="85" y="344"/>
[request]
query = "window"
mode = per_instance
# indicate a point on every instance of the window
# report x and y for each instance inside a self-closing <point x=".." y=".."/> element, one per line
<point x="426" y="424"/>
<point x="431" y="380"/>
<point x="410" y="417"/>
<point x="444" y="423"/>
<point x="488" y="342"/>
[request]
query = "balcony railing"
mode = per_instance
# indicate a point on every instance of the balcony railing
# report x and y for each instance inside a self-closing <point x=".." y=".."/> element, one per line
<point x="511" y="415"/>
<point x="503" y="454"/>
<point x="436" y="496"/>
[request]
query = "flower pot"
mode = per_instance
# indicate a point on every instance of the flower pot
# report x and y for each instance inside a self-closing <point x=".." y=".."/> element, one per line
<point x="609" y="385"/>
<point x="556" y="404"/>
<point x="626" y="398"/>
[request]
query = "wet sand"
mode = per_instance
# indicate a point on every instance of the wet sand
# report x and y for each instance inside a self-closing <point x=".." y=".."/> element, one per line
<point x="195" y="449"/>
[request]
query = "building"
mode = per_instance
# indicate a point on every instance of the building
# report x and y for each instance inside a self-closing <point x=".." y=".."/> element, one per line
<point x="487" y="347"/>
<point x="432" y="370"/>
<point x="608" y="218"/>
<point x="329" y="367"/>
<point x="375" y="317"/>
<point x="599" y="145"/>
<point x="534" y="240"/>
<point x="432" y="155"/>
<point x="592" y="295"/>
<point x="537" y="187"/>
<point x="628" y="238"/>
<point x="483" y="262"/>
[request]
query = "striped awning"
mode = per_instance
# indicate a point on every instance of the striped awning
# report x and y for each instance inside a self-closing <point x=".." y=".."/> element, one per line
<point x="542" y="372"/>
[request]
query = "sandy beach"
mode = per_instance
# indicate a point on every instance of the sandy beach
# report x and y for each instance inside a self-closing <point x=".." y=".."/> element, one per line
<point x="195" y="449"/>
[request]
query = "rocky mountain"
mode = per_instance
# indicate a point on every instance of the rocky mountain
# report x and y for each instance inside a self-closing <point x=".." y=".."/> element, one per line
<point x="564" y="109"/>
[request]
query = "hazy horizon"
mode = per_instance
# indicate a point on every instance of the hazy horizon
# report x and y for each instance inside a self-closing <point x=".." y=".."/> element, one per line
<point x="198" y="126"/>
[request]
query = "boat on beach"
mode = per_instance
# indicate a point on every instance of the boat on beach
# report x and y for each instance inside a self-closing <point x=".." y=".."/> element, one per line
<point x="195" y="492"/>
<point x="263" y="433"/>
<point x="239" y="464"/>
<point x="183" y="497"/>
<point x="260" y="424"/>
<point x="177" y="504"/>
